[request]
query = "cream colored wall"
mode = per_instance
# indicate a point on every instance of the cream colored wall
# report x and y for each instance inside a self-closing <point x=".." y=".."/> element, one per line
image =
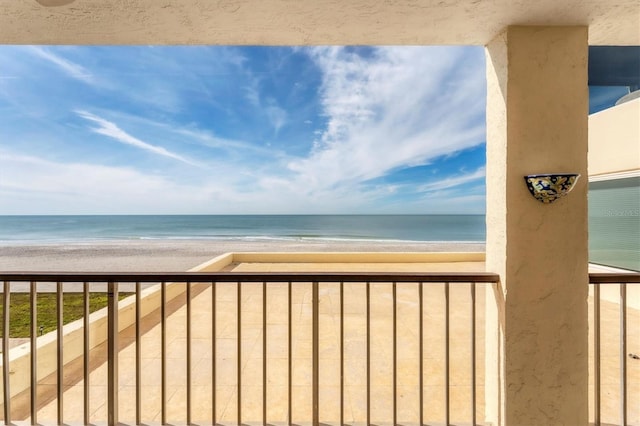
<point x="614" y="139"/>
<point x="362" y="257"/>
<point x="537" y="105"/>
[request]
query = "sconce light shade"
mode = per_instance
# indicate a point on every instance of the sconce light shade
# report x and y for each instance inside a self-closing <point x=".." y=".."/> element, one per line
<point x="547" y="188"/>
<point x="54" y="3"/>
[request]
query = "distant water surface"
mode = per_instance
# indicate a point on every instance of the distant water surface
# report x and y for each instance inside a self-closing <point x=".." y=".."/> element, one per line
<point x="432" y="228"/>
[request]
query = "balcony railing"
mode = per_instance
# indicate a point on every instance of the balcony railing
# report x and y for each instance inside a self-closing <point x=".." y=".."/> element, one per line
<point x="610" y="299"/>
<point x="340" y="308"/>
<point x="281" y="348"/>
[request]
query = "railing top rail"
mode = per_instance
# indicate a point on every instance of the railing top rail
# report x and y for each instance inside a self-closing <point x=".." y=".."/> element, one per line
<point x="195" y="277"/>
<point x="614" y="278"/>
<point x="486" y="277"/>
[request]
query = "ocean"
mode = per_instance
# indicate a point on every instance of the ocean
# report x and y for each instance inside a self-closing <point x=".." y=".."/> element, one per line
<point x="56" y="229"/>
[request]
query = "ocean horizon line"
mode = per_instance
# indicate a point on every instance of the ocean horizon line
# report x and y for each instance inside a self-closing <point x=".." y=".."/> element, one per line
<point x="258" y="239"/>
<point x="236" y="214"/>
<point x="295" y="228"/>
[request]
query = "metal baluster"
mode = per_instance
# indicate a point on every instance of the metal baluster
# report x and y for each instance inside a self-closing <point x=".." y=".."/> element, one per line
<point x="368" y="299"/>
<point x="239" y="333"/>
<point x="85" y="354"/>
<point x="188" y="295"/>
<point x="395" y="356"/>
<point x="213" y="354"/>
<point x="163" y="352"/>
<point x="138" y="355"/>
<point x="623" y="354"/>
<point x="341" y="353"/>
<point x="264" y="353"/>
<point x="112" y="354"/>
<point x="421" y="353"/>
<point x="60" y="354"/>
<point x="289" y="360"/>
<point x="473" y="354"/>
<point x="34" y="353"/>
<point x="5" y="353"/>
<point x="446" y="361"/>
<point x="316" y="352"/>
<point x="596" y="352"/>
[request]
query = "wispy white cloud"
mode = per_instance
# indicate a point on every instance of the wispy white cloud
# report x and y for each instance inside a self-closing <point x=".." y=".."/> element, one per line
<point x="32" y="185"/>
<point x="252" y="93"/>
<point x="70" y="68"/>
<point x="111" y="130"/>
<point x="381" y="110"/>
<point x="393" y="108"/>
<point x="190" y="133"/>
<point x="209" y="139"/>
<point x="452" y="182"/>
<point x="35" y="185"/>
<point x="277" y="116"/>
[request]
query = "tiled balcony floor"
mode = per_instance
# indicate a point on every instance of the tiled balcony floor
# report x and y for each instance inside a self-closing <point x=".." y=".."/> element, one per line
<point x="355" y="357"/>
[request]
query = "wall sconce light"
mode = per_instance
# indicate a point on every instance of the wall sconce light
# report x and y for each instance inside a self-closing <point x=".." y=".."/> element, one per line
<point x="54" y="3"/>
<point x="547" y="188"/>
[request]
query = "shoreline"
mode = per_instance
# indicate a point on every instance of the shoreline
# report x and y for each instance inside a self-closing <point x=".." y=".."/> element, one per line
<point x="180" y="255"/>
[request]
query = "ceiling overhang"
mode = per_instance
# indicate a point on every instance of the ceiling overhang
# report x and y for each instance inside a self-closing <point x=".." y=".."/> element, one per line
<point x="305" y="22"/>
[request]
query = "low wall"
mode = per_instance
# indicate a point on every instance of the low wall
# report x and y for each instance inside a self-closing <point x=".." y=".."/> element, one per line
<point x="73" y="340"/>
<point x="73" y="335"/>
<point x="339" y="257"/>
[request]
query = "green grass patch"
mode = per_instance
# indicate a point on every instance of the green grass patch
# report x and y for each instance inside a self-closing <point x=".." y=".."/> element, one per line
<point x="73" y="309"/>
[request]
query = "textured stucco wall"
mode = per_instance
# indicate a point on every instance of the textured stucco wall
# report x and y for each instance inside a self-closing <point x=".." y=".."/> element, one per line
<point x="614" y="139"/>
<point x="496" y="54"/>
<point x="303" y="22"/>
<point x="537" y="111"/>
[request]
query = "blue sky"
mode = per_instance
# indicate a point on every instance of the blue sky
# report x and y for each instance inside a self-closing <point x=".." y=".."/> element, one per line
<point x="241" y="130"/>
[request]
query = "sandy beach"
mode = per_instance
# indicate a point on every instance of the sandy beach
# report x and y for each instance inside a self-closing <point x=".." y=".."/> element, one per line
<point x="181" y="255"/>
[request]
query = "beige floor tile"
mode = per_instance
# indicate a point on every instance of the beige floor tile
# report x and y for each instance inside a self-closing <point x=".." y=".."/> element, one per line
<point x="355" y="350"/>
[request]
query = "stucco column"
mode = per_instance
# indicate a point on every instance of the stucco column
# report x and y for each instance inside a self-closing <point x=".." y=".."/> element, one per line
<point x="537" y="332"/>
